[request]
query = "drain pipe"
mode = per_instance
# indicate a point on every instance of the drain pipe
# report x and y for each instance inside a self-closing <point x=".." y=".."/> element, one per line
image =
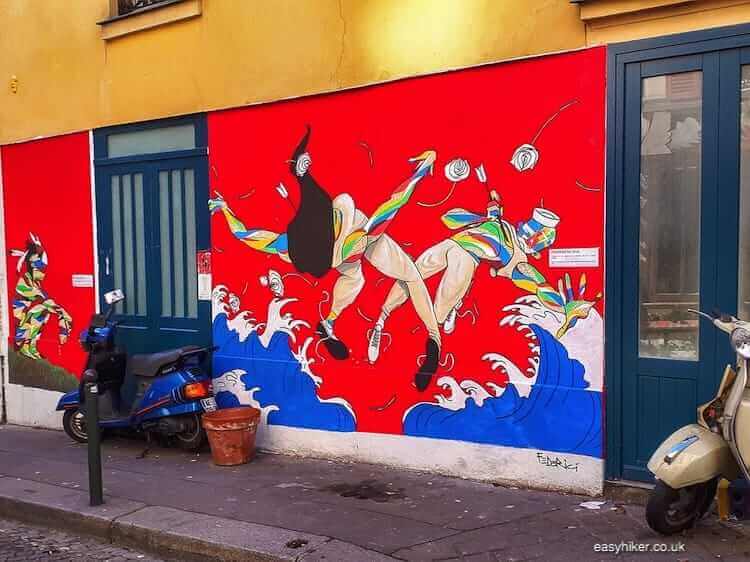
<point x="4" y="306"/>
<point x="3" y="411"/>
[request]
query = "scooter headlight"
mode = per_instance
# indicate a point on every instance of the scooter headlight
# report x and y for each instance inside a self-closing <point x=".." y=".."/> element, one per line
<point x="741" y="342"/>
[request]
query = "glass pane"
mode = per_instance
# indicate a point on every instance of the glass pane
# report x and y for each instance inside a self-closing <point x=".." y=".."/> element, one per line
<point x="190" y="227"/>
<point x="127" y="239"/>
<point x="140" y="245"/>
<point x="164" y="241"/>
<point x="116" y="264"/>
<point x="165" y="139"/>
<point x="743" y="307"/>
<point x="671" y="111"/>
<point x="177" y="249"/>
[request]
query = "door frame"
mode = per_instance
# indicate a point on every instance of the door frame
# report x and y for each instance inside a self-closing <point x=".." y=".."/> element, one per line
<point x="102" y="164"/>
<point x="618" y="56"/>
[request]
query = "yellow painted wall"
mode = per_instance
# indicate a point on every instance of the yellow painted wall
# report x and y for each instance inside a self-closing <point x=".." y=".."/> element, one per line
<point x="240" y="52"/>
<point x="609" y="21"/>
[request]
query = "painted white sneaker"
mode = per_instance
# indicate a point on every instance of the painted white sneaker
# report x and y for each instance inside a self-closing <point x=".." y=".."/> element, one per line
<point x="450" y="322"/>
<point x="373" y="348"/>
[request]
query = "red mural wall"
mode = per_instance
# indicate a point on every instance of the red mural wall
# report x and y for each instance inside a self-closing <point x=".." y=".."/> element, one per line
<point x="360" y="143"/>
<point x="47" y="194"/>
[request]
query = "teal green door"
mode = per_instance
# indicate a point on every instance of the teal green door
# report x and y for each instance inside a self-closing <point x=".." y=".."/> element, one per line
<point x="152" y="224"/>
<point x="683" y="185"/>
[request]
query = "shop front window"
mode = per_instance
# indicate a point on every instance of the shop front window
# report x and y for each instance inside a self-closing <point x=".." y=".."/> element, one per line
<point x="670" y="188"/>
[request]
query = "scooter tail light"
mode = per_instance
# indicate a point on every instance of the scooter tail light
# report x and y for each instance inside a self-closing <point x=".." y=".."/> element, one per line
<point x="196" y="390"/>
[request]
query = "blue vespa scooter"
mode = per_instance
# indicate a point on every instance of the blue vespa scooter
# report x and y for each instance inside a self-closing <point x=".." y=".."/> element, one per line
<point x="163" y="393"/>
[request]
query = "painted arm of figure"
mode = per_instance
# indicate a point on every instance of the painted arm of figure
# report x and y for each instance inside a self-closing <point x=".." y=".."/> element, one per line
<point x="64" y="321"/>
<point x="386" y="211"/>
<point x="257" y="238"/>
<point x="561" y="300"/>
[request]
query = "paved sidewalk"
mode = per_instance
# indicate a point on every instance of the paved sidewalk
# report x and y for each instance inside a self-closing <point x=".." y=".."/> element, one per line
<point x="290" y="508"/>
<point x="27" y="543"/>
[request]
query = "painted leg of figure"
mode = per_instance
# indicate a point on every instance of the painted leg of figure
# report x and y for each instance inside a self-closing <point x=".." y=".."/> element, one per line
<point x="258" y="239"/>
<point x="345" y="291"/>
<point x="391" y="260"/>
<point x="352" y="247"/>
<point x="454" y="285"/>
<point x="30" y="330"/>
<point x="432" y="261"/>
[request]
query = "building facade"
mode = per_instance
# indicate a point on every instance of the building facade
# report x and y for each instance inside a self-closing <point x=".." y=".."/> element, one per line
<point x="548" y="187"/>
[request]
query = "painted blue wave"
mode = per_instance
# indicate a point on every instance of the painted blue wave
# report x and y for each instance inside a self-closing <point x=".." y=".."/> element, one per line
<point x="281" y="381"/>
<point x="559" y="414"/>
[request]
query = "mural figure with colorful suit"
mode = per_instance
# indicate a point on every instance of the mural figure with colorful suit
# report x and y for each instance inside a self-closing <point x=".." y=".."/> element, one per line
<point x="32" y="307"/>
<point x="330" y="234"/>
<point x="489" y="238"/>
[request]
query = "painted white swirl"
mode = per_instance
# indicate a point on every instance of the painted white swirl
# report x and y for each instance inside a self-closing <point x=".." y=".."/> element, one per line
<point x="457" y="170"/>
<point x="302" y="164"/>
<point x="525" y="157"/>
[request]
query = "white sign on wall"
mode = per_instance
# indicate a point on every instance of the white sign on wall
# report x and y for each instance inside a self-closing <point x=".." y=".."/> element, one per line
<point x="574" y="257"/>
<point x="204" y="286"/>
<point x="83" y="280"/>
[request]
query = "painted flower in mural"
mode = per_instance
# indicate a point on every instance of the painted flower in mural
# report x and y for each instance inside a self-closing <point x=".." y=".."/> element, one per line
<point x="525" y="157"/>
<point x="457" y="170"/>
<point x="302" y="164"/>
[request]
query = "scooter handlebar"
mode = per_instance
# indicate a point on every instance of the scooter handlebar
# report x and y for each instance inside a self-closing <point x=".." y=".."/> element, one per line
<point x="725" y="322"/>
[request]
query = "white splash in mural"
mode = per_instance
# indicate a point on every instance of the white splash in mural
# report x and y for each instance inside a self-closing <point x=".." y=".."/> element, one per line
<point x="231" y="381"/>
<point x="560" y="389"/>
<point x="583" y="342"/>
<point x="267" y="372"/>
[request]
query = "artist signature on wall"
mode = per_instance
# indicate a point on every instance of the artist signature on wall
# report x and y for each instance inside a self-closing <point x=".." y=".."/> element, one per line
<point x="554" y="461"/>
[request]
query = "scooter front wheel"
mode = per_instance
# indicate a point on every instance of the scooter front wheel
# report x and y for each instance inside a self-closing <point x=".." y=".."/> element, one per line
<point x="74" y="424"/>
<point x="671" y="511"/>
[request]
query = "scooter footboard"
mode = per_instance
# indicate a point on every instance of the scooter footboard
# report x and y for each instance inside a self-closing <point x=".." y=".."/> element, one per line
<point x="691" y="455"/>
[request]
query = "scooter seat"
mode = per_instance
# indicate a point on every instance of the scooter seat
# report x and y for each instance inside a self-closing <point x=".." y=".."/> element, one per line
<point x="149" y="364"/>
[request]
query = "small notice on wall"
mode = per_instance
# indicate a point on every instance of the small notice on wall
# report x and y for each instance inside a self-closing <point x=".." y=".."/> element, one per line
<point x="574" y="257"/>
<point x="83" y="280"/>
<point x="203" y="259"/>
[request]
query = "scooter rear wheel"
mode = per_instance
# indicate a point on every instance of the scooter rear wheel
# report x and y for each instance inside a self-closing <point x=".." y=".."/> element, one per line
<point x="671" y="511"/>
<point x="193" y="439"/>
<point x="74" y="424"/>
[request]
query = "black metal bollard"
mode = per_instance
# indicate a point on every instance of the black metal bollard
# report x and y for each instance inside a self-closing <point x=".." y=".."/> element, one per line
<point x="91" y="390"/>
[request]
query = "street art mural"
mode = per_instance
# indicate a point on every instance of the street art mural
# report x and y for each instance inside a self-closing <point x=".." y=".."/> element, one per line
<point x="32" y="306"/>
<point x="49" y="254"/>
<point x="449" y="194"/>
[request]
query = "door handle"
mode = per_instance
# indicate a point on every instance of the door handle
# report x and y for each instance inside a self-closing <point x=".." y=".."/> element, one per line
<point x="106" y="265"/>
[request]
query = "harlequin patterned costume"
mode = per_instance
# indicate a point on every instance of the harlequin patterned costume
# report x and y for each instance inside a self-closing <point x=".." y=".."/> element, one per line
<point x="32" y="306"/>
<point x="492" y="239"/>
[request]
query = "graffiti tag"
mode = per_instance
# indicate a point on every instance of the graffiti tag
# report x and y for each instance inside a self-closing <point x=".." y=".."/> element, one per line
<point x="556" y="462"/>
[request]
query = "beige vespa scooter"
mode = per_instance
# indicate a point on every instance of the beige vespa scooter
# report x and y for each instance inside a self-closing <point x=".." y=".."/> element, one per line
<point x="689" y="463"/>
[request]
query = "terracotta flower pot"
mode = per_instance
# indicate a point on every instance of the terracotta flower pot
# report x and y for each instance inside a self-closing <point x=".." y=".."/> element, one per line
<point x="231" y="434"/>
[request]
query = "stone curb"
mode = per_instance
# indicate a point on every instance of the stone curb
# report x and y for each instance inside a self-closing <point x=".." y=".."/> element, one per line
<point x="163" y="531"/>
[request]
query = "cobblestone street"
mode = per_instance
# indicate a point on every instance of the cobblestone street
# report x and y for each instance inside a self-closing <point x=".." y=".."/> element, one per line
<point x="22" y="543"/>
